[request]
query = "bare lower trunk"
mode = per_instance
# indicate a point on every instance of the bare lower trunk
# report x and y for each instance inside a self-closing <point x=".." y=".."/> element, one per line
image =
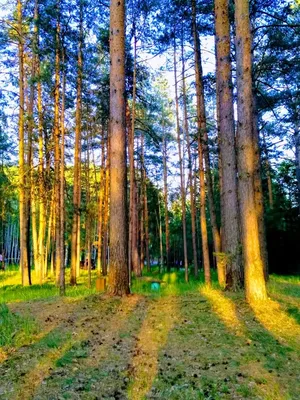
<point x="253" y="263"/>
<point x="118" y="262"/>
<point x="230" y="273"/>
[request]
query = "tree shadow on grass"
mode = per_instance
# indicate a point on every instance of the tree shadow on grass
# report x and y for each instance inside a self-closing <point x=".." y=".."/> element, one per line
<point x="219" y="349"/>
<point x="41" y="369"/>
<point x="96" y="364"/>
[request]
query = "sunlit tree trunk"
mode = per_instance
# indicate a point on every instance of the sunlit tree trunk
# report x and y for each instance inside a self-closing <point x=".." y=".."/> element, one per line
<point x="24" y="250"/>
<point x="62" y="288"/>
<point x="200" y="126"/>
<point x="182" y="179"/>
<point x="75" y="239"/>
<point x="253" y="263"/>
<point x="41" y="186"/>
<point x="57" y="155"/>
<point x="230" y="272"/>
<point x="118" y="262"/>
<point x="190" y="168"/>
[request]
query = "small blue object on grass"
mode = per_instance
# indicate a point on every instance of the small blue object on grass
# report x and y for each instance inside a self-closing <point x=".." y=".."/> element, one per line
<point x="155" y="286"/>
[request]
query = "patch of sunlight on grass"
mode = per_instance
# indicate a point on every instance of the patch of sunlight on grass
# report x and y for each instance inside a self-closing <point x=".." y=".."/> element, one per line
<point x="151" y="339"/>
<point x="277" y="322"/>
<point x="224" y="308"/>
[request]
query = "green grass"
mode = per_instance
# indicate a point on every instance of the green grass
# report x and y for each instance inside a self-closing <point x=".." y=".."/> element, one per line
<point x="184" y="341"/>
<point x="15" y="330"/>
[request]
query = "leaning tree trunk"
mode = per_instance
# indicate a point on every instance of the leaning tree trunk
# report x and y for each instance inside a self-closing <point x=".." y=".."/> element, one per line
<point x="118" y="282"/>
<point x="253" y="264"/>
<point x="230" y="273"/>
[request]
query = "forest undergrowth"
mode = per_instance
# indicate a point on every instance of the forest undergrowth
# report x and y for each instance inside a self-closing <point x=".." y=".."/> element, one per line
<point x="184" y="341"/>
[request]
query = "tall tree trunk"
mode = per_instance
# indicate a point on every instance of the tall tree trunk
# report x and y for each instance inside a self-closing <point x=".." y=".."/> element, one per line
<point x="297" y="156"/>
<point x="101" y="196"/>
<point x="62" y="289"/>
<point x="182" y="179"/>
<point x="142" y="214"/>
<point x="200" y="126"/>
<point x="167" y="229"/>
<point x="118" y="261"/>
<point x="57" y="158"/>
<point x="253" y="263"/>
<point x="106" y="210"/>
<point x="190" y="168"/>
<point x="41" y="197"/>
<point x="146" y="219"/>
<point x="75" y="240"/>
<point x="133" y="254"/>
<point x="230" y="272"/>
<point x="24" y="233"/>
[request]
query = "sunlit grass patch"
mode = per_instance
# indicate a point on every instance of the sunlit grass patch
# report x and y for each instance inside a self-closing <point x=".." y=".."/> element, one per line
<point x="224" y="308"/>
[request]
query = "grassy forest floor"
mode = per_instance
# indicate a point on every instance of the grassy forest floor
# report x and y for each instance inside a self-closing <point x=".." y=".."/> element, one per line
<point x="184" y="342"/>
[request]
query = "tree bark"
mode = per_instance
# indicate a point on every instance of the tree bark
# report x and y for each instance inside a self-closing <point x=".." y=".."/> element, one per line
<point x="24" y="233"/>
<point x="253" y="263"/>
<point x="182" y="179"/>
<point x="190" y="169"/>
<point x="200" y="125"/>
<point x="118" y="282"/>
<point x="75" y="238"/>
<point x="230" y="272"/>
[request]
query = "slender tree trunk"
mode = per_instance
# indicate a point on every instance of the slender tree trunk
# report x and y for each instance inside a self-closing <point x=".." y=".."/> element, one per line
<point x="41" y="197"/>
<point x="200" y="126"/>
<point x="62" y="289"/>
<point x="101" y="195"/>
<point x="259" y="198"/>
<point x="24" y="250"/>
<point x="142" y="214"/>
<point x="57" y="155"/>
<point x="133" y="254"/>
<point x="75" y="240"/>
<point x="182" y="179"/>
<point x="253" y="262"/>
<point x="167" y="229"/>
<point x="269" y="175"/>
<point x="146" y="219"/>
<point x="191" y="184"/>
<point x="106" y="211"/>
<point x="118" y="262"/>
<point x="230" y="267"/>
